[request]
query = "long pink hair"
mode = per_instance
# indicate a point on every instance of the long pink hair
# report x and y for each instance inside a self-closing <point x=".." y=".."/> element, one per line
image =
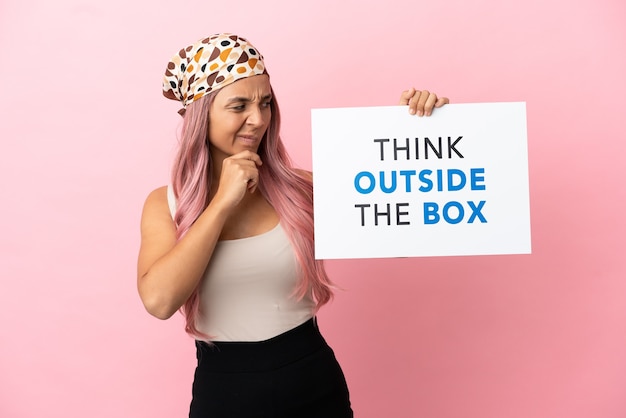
<point x="289" y="191"/>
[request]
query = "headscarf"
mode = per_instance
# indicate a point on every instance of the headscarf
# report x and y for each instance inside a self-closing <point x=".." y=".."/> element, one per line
<point x="208" y="65"/>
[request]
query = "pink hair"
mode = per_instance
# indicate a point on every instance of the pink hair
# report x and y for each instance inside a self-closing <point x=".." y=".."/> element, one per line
<point x="289" y="191"/>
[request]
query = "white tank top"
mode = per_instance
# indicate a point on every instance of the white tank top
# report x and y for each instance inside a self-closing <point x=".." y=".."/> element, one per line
<point x="247" y="290"/>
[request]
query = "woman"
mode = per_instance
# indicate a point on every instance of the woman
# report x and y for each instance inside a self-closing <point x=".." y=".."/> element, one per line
<point x="230" y="242"/>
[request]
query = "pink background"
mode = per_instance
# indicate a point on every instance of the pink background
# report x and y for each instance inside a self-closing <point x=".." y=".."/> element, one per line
<point x="86" y="135"/>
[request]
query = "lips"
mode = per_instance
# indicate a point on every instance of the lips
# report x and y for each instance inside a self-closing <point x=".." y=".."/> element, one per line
<point x="247" y="139"/>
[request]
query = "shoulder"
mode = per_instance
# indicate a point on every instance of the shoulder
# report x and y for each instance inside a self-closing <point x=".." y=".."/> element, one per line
<point x="157" y="197"/>
<point x="156" y="205"/>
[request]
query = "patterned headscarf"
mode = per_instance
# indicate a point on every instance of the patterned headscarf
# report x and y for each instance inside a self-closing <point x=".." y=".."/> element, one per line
<point x="209" y="65"/>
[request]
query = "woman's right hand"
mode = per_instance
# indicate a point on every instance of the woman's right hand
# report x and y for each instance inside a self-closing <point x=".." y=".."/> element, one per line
<point x="239" y="175"/>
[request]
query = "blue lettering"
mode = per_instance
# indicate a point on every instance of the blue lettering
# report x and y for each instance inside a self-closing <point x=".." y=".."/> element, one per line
<point x="446" y="212"/>
<point x="462" y="180"/>
<point x="428" y="184"/>
<point x="476" y="212"/>
<point x="384" y="187"/>
<point x="430" y="213"/>
<point x="475" y="177"/>
<point x="439" y="180"/>
<point x="357" y="182"/>
<point x="407" y="175"/>
<point x="449" y="180"/>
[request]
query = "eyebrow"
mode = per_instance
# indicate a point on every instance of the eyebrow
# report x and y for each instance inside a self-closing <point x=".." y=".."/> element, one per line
<point x="246" y="100"/>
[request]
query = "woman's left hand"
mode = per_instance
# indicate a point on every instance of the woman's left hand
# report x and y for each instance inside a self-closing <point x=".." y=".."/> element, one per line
<point x="421" y="102"/>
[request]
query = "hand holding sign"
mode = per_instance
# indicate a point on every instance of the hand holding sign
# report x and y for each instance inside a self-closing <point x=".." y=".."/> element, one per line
<point x="421" y="102"/>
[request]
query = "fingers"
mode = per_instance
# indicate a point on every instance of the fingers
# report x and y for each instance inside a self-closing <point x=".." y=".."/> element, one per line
<point x="248" y="155"/>
<point x="417" y="104"/>
<point x="406" y="95"/>
<point x="239" y="175"/>
<point x="253" y="181"/>
<point x="238" y="168"/>
<point x="442" y="101"/>
<point x="426" y="103"/>
<point x="421" y="102"/>
<point x="243" y="166"/>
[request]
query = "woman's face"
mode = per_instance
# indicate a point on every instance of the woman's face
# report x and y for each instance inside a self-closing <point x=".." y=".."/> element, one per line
<point x="239" y="116"/>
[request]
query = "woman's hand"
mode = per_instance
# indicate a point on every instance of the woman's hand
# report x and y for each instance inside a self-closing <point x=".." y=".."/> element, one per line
<point x="421" y="102"/>
<point x="239" y="175"/>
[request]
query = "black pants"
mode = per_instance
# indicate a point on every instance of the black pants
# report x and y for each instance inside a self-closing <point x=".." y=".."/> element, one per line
<point x="293" y="375"/>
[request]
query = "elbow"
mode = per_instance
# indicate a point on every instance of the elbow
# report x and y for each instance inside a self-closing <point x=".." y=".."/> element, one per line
<point x="159" y="310"/>
<point x="159" y="306"/>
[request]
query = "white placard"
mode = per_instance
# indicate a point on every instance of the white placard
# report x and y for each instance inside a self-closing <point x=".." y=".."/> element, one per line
<point x="389" y="184"/>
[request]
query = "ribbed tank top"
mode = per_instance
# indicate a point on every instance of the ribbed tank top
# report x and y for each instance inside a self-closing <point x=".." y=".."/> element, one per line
<point x="246" y="293"/>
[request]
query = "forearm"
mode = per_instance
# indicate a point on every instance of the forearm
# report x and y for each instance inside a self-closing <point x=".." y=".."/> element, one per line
<point x="171" y="279"/>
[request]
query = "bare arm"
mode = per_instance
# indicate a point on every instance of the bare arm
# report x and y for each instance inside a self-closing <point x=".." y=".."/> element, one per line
<point x="168" y="270"/>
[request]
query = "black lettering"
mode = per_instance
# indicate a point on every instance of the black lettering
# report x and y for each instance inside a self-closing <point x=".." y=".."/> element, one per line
<point x="382" y="140"/>
<point x="429" y="144"/>
<point x="396" y="148"/>
<point x="362" y="206"/>
<point x="398" y="214"/>
<point x="451" y="147"/>
<point x="377" y="214"/>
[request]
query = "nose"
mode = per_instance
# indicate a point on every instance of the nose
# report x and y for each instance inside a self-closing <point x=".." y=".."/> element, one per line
<point x="256" y="116"/>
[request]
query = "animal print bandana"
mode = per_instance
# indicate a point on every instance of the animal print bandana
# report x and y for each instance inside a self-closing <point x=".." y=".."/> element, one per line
<point x="209" y="65"/>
